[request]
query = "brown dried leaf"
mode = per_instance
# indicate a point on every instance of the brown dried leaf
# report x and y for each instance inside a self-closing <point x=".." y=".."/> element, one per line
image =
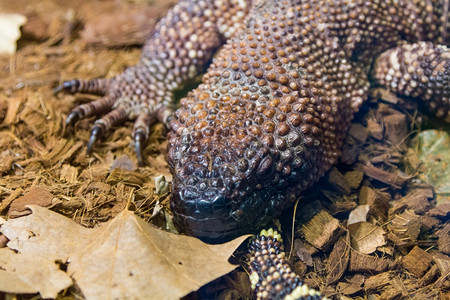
<point x="366" y="237"/>
<point x="124" y="258"/>
<point x="36" y="196"/>
<point x="338" y="260"/>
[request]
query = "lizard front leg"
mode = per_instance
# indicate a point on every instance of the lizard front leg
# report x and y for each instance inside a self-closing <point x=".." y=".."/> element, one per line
<point x="179" y="48"/>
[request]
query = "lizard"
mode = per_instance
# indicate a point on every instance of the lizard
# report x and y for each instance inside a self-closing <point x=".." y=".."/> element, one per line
<point x="273" y="108"/>
<point x="277" y="99"/>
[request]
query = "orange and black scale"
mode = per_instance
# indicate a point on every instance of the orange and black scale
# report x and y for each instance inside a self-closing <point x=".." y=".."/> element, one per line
<point x="270" y="274"/>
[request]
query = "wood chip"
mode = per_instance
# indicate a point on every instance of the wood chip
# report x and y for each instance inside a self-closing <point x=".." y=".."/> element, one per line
<point x="395" y="180"/>
<point x="441" y="211"/>
<point x="406" y="226"/>
<point x="127" y="177"/>
<point x="416" y="200"/>
<point x="432" y="274"/>
<point x="396" y="129"/>
<point x="360" y="262"/>
<point x="417" y="261"/>
<point x="359" y="132"/>
<point x="377" y="282"/>
<point x="338" y="181"/>
<point x="322" y="230"/>
<point x="377" y="201"/>
<point x="444" y="239"/>
<point x="354" y="178"/>
<point x="375" y="129"/>
<point x="352" y="286"/>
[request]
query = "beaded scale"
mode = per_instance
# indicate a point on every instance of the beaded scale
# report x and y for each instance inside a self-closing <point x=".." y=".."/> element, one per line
<point x="273" y="108"/>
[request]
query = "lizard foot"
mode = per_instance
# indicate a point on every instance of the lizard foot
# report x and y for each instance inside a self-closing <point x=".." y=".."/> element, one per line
<point x="132" y="95"/>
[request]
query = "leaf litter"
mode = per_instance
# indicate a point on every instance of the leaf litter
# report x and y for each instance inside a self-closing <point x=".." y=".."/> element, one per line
<point x="124" y="258"/>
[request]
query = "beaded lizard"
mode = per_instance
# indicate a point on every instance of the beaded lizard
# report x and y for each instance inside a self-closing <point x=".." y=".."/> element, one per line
<point x="273" y="108"/>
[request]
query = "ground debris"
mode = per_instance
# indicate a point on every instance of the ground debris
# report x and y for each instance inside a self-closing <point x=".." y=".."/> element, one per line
<point x="322" y="231"/>
<point x="417" y="261"/>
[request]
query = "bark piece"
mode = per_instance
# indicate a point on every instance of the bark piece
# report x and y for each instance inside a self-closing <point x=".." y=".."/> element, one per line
<point x="322" y="230"/>
<point x="352" y="286"/>
<point x="441" y="211"/>
<point x="338" y="181"/>
<point x="406" y="226"/>
<point x="378" y="282"/>
<point x="395" y="180"/>
<point x="127" y="177"/>
<point x="354" y="178"/>
<point x="430" y="276"/>
<point x="360" y="262"/>
<point x="375" y="129"/>
<point x="417" y="261"/>
<point x="444" y="239"/>
<point x="417" y="200"/>
<point x="359" y="133"/>
<point x="396" y="129"/>
<point x="376" y="200"/>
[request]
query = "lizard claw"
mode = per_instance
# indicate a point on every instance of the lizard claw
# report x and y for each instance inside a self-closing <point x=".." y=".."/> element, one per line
<point x="96" y="132"/>
<point x="71" y="86"/>
<point x="72" y="118"/>
<point x="139" y="141"/>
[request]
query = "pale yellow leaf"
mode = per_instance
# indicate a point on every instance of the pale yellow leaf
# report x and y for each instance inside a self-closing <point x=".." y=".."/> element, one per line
<point x="29" y="273"/>
<point x="125" y="258"/>
<point x="10" y="32"/>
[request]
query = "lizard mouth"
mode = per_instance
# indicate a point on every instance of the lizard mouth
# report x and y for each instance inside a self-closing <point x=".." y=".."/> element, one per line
<point x="217" y="197"/>
<point x="215" y="218"/>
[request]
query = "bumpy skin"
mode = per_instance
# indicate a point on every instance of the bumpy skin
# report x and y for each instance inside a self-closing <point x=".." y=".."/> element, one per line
<point x="274" y="107"/>
<point x="270" y="274"/>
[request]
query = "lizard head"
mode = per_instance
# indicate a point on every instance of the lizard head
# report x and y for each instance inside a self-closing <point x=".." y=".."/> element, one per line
<point x="221" y="190"/>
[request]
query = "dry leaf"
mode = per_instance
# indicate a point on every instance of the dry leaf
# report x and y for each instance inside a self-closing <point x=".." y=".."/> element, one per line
<point x="28" y="273"/>
<point x="338" y="259"/>
<point x="36" y="196"/>
<point x="366" y="237"/>
<point x="10" y="32"/>
<point x="302" y="252"/>
<point x="359" y="214"/>
<point x="124" y="258"/>
<point x="434" y="151"/>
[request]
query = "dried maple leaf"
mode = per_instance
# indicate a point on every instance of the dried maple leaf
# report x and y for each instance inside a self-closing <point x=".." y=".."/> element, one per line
<point x="124" y="258"/>
<point x="28" y="273"/>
